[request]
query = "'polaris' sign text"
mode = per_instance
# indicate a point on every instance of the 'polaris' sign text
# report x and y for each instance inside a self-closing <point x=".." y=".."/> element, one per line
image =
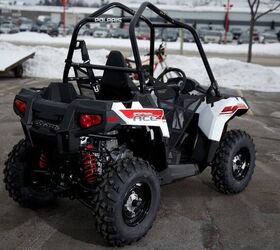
<point x="108" y="19"/>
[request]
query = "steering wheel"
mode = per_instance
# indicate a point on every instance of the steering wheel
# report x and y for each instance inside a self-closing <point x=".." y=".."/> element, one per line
<point x="181" y="80"/>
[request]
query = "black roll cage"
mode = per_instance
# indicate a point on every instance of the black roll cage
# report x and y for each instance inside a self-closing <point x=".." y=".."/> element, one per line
<point x="136" y="17"/>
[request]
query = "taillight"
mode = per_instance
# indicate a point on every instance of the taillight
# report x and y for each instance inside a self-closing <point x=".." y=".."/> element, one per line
<point x="20" y="106"/>
<point x="87" y="120"/>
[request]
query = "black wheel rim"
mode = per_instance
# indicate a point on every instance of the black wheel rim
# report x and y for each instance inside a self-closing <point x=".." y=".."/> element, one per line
<point x="241" y="164"/>
<point x="136" y="204"/>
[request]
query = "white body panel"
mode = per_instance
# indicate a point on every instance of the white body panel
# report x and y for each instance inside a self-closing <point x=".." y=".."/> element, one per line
<point x="139" y="116"/>
<point x="212" y="119"/>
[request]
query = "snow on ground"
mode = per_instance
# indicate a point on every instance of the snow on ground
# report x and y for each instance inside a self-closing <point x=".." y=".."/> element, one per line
<point x="31" y="38"/>
<point x="49" y="63"/>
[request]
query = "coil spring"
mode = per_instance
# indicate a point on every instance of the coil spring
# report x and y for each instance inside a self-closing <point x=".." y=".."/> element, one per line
<point x="43" y="161"/>
<point x="89" y="164"/>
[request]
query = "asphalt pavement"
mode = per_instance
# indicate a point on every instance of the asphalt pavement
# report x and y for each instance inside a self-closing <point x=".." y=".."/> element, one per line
<point x="192" y="214"/>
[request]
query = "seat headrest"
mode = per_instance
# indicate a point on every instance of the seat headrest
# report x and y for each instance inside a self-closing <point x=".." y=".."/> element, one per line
<point x="115" y="78"/>
<point x="115" y="58"/>
<point x="115" y="84"/>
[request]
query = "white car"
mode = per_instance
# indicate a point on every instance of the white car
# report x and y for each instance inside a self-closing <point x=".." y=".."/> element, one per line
<point x="268" y="37"/>
<point x="212" y="36"/>
<point x="101" y="32"/>
<point x="8" y="28"/>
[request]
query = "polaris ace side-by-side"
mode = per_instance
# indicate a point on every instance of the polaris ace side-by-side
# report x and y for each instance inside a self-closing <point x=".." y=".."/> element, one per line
<point x="115" y="142"/>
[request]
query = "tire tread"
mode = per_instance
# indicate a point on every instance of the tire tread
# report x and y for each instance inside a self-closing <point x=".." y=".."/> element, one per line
<point x="222" y="158"/>
<point x="111" y="181"/>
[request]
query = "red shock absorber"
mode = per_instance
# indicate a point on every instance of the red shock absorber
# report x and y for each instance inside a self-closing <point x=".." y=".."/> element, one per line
<point x="89" y="164"/>
<point x="43" y="161"/>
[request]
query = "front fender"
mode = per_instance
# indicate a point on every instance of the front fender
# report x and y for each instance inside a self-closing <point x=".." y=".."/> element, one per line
<point x="214" y="116"/>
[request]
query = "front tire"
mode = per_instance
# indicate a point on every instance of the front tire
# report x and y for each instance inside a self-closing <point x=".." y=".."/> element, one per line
<point x="19" y="181"/>
<point x="234" y="162"/>
<point x="128" y="201"/>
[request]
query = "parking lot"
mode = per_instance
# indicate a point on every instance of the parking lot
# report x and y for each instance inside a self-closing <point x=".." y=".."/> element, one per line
<point x="192" y="214"/>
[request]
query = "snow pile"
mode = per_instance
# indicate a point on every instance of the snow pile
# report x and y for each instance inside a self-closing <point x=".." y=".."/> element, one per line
<point x="35" y="39"/>
<point x="230" y="73"/>
<point x="49" y="63"/>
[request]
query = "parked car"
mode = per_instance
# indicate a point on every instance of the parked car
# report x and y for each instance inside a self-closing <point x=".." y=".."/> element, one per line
<point x="255" y="35"/>
<point x="143" y="33"/>
<point x="2" y="19"/>
<point x="119" y="33"/>
<point x="42" y="20"/>
<point x="35" y="28"/>
<point x="212" y="36"/>
<point x="49" y="28"/>
<point x="169" y="35"/>
<point x="158" y="33"/>
<point x="268" y="37"/>
<point x="25" y="25"/>
<point x="188" y="37"/>
<point x="20" y="20"/>
<point x="202" y="31"/>
<point x="278" y="35"/>
<point x="244" y="38"/>
<point x="28" y="26"/>
<point x="101" y="32"/>
<point x="43" y="28"/>
<point x="86" y="30"/>
<point x="68" y="30"/>
<point x="236" y="32"/>
<point x="8" y="28"/>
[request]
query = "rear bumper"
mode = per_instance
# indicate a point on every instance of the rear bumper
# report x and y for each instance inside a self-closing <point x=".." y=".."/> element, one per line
<point x="55" y="124"/>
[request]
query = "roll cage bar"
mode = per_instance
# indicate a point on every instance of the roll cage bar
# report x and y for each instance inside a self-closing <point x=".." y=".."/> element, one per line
<point x="134" y="20"/>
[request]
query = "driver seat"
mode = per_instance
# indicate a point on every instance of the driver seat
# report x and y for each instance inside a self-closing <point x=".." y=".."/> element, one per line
<point x="116" y="85"/>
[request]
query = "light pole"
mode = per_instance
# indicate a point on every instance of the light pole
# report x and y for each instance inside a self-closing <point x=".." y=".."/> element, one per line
<point x="227" y="6"/>
<point x="64" y="4"/>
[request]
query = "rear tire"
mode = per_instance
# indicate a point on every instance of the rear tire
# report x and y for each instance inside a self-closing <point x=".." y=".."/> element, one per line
<point x="234" y="162"/>
<point x="128" y="201"/>
<point x="17" y="178"/>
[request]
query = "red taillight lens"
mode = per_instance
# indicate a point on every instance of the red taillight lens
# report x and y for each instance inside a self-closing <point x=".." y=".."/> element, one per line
<point x="20" y="106"/>
<point x="87" y="121"/>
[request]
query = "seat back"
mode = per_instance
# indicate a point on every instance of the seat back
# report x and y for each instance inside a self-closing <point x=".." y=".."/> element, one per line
<point x="115" y="85"/>
<point x="60" y="92"/>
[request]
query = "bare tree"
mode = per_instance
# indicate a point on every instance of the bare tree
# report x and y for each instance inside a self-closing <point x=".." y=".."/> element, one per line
<point x="254" y="9"/>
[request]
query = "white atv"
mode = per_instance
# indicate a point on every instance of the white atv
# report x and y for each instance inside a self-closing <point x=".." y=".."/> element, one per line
<point x="114" y="143"/>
